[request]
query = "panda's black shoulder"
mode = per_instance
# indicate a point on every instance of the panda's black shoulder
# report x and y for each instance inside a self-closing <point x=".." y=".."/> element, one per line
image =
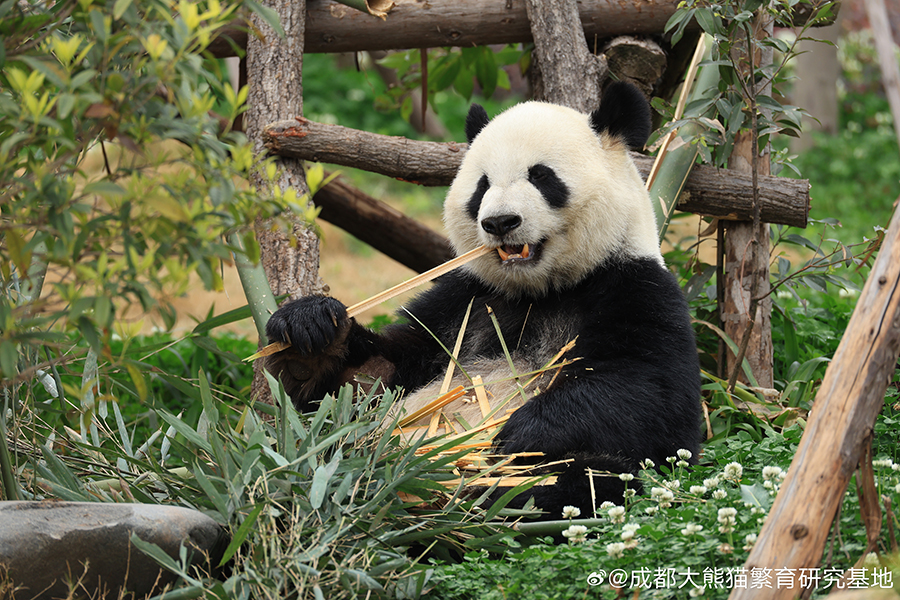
<point x="636" y="292"/>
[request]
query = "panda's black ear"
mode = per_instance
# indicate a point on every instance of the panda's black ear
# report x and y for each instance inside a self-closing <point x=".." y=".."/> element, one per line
<point x="623" y="113"/>
<point x="475" y="121"/>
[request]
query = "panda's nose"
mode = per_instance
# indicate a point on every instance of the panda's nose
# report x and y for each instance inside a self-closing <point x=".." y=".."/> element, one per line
<point x="501" y="224"/>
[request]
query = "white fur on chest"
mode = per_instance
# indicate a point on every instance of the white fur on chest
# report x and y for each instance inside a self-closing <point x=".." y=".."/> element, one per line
<point x="504" y="385"/>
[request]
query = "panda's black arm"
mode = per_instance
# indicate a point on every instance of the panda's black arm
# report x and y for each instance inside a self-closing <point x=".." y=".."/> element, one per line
<point x="328" y="348"/>
<point x="612" y="409"/>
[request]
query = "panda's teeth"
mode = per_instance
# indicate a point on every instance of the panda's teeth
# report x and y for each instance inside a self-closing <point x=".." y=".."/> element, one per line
<point x="525" y="251"/>
<point x="503" y="255"/>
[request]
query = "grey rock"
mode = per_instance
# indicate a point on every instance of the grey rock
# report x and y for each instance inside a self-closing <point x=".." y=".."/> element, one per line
<point x="46" y="546"/>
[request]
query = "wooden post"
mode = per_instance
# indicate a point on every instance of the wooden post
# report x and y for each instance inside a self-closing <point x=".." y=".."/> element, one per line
<point x="563" y="70"/>
<point x="274" y="69"/>
<point x="747" y="257"/>
<point x="842" y="418"/>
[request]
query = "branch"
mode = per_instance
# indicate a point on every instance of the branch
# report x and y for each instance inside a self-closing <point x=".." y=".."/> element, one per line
<point x="719" y="193"/>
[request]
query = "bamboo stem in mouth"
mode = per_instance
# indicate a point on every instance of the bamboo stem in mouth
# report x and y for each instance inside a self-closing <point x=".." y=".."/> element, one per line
<point x="387" y="294"/>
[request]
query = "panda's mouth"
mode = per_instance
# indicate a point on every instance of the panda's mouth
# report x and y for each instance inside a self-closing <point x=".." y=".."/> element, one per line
<point x="519" y="253"/>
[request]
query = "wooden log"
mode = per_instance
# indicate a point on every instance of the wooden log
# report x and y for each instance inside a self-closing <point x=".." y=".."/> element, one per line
<point x="709" y="191"/>
<point x="381" y="226"/>
<point x="333" y="27"/>
<point x="842" y="418"/>
<point x="563" y="70"/>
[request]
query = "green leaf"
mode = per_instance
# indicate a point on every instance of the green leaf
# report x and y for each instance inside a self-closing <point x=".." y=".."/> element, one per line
<point x="120" y="7"/>
<point x="241" y="534"/>
<point x="486" y="71"/>
<point x="185" y="430"/>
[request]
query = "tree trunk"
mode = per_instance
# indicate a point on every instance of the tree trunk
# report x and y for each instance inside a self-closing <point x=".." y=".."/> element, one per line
<point x="563" y="71"/>
<point x="747" y="258"/>
<point x="844" y="412"/>
<point x="274" y="68"/>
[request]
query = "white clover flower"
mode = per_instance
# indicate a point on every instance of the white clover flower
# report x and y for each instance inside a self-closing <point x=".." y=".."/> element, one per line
<point x="770" y="473"/>
<point x="651" y="510"/>
<point x="733" y="471"/>
<point x="673" y="485"/>
<point x="768" y="485"/>
<point x="629" y="493"/>
<point x="616" y="514"/>
<point x="682" y="464"/>
<point x="896" y="467"/>
<point x="698" y="490"/>
<point x="627" y="535"/>
<point x="571" y="512"/>
<point x="725" y="548"/>
<point x="684" y="454"/>
<point x="897" y="488"/>
<point x="671" y="459"/>
<point x="616" y="549"/>
<point x="749" y="540"/>
<point x="711" y="483"/>
<point x="691" y="529"/>
<point x="606" y="505"/>
<point x="727" y="512"/>
<point x="630" y="527"/>
<point x="576" y="534"/>
<point x="727" y="519"/>
<point x="626" y="476"/>
<point x="884" y="463"/>
<point x="647" y="464"/>
<point x="719" y="494"/>
<point x="871" y="561"/>
<point x="697" y="591"/>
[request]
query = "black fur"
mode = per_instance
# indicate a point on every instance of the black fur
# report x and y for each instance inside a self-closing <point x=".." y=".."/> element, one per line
<point x="634" y="393"/>
<point x="474" y="202"/>
<point x="548" y="183"/>
<point x="475" y="121"/>
<point x="623" y="113"/>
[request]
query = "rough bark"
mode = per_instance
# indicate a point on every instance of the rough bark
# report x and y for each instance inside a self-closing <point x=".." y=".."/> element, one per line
<point x="709" y="191"/>
<point x="640" y="61"/>
<point x="274" y="68"/>
<point x="333" y="27"/>
<point x="383" y="227"/>
<point x="563" y="71"/>
<point x="748" y="306"/>
<point x="836" y="436"/>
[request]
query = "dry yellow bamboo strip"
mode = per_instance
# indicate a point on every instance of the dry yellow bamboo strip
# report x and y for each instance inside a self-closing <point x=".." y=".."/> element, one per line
<point x="386" y="295"/>
<point x="432" y="406"/>
<point x="502" y="481"/>
<point x="481" y="396"/>
<point x="448" y="377"/>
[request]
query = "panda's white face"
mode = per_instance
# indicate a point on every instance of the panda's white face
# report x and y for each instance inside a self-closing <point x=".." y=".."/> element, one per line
<point x="555" y="197"/>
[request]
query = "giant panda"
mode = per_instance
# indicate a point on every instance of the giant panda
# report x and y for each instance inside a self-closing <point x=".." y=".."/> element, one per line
<point x="556" y="193"/>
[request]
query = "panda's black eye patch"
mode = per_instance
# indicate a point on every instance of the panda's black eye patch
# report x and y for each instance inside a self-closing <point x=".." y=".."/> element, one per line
<point x="549" y="185"/>
<point x="474" y="203"/>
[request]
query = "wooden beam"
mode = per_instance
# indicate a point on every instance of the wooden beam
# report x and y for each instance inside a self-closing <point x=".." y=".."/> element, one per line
<point x="334" y="27"/>
<point x="381" y="226"/>
<point x="839" y="426"/>
<point x="719" y="193"/>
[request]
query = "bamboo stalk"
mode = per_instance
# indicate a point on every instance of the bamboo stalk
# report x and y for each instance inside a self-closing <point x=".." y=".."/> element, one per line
<point x="386" y="295"/>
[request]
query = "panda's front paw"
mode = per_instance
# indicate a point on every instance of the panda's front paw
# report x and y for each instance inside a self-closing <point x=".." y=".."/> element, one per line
<point x="312" y="325"/>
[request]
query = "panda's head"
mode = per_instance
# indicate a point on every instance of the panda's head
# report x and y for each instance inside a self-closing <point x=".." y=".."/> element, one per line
<point x="554" y="191"/>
